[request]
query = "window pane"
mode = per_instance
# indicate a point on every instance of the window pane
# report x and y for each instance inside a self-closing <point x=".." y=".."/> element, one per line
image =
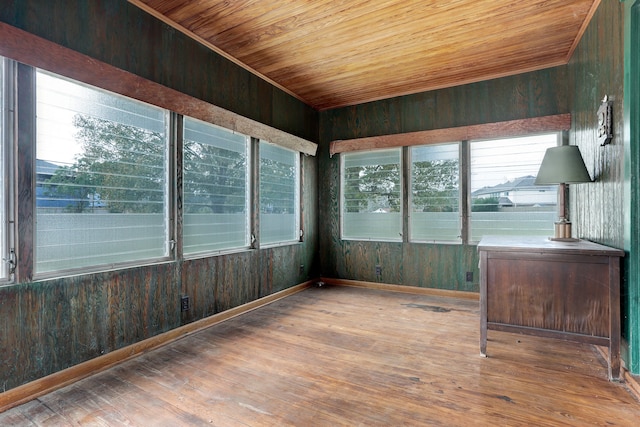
<point x="3" y="176"/>
<point x="435" y="197"/>
<point x="372" y="195"/>
<point x="101" y="186"/>
<point x="505" y="200"/>
<point x="216" y="198"/>
<point x="279" y="194"/>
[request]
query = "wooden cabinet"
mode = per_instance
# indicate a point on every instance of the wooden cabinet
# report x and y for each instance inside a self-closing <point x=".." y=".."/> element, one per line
<point x="566" y="290"/>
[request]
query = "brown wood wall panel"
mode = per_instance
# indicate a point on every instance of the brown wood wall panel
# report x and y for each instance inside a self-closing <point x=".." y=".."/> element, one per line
<point x="49" y="325"/>
<point x="528" y="95"/>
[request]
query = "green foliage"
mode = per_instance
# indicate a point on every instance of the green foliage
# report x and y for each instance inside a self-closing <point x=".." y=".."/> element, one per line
<point x="370" y="187"/>
<point x="72" y="187"/>
<point x="435" y="186"/>
<point x="276" y="186"/>
<point x="122" y="165"/>
<point x="214" y="179"/>
<point x="488" y="204"/>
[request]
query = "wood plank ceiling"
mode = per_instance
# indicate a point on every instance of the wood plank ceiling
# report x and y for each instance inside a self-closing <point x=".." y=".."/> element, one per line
<point x="334" y="53"/>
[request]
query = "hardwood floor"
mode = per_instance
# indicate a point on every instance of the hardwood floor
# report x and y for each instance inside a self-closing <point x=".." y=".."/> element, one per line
<point x="335" y="356"/>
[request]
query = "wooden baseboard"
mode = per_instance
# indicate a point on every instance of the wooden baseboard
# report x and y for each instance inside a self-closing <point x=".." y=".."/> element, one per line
<point x="39" y="387"/>
<point x="632" y="382"/>
<point x="402" y="288"/>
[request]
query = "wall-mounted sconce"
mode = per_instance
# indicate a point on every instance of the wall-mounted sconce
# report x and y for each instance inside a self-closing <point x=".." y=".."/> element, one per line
<point x="562" y="165"/>
<point x="605" y="124"/>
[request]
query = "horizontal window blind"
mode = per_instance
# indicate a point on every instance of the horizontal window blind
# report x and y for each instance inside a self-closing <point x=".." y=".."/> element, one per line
<point x="504" y="198"/>
<point x="215" y="188"/>
<point x="435" y="197"/>
<point x="101" y="186"/>
<point x="3" y="188"/>
<point x="372" y="195"/>
<point x="279" y="194"/>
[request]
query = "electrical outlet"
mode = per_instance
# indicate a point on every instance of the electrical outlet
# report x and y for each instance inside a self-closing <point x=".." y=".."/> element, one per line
<point x="378" y="270"/>
<point x="184" y="303"/>
<point x="301" y="269"/>
<point x="469" y="276"/>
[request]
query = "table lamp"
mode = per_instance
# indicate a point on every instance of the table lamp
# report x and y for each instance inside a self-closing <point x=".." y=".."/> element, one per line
<point x="562" y="165"/>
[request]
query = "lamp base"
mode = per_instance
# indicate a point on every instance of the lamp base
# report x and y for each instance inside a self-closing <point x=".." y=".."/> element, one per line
<point x="562" y="230"/>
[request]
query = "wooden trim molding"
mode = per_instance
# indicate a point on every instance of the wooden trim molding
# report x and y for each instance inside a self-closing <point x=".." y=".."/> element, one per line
<point x="402" y="288"/>
<point x="39" y="387"/>
<point x="555" y="123"/>
<point x="632" y="382"/>
<point x="41" y="53"/>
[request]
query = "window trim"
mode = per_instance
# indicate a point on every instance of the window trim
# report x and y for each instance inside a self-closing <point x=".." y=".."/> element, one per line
<point x="496" y="130"/>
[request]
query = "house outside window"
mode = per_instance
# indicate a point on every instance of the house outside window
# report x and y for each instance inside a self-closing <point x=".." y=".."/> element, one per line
<point x="101" y="178"/>
<point x="500" y="197"/>
<point x="504" y="198"/>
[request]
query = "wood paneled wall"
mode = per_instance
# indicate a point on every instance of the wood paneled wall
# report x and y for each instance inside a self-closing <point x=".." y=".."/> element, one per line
<point x="595" y="70"/>
<point x="122" y="35"/>
<point x="50" y="325"/>
<point x="598" y="209"/>
<point x="527" y="95"/>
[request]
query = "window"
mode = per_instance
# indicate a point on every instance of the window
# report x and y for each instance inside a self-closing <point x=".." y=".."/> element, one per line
<point x="372" y="195"/>
<point x="101" y="186"/>
<point x="279" y="195"/>
<point x="215" y="188"/>
<point x="498" y="195"/>
<point x="4" y="228"/>
<point x="434" y="214"/>
<point x="504" y="199"/>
